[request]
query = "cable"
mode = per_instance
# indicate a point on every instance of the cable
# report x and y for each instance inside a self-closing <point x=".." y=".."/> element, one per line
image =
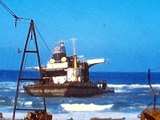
<point x="43" y="39"/>
<point x="13" y="14"/>
<point x="16" y="19"/>
<point x="155" y="68"/>
<point x="10" y="11"/>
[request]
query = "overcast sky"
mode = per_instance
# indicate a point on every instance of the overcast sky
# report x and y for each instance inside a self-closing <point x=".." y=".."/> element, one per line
<point x="125" y="31"/>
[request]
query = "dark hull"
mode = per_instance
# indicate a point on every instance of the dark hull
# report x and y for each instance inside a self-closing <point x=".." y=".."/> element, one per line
<point x="66" y="90"/>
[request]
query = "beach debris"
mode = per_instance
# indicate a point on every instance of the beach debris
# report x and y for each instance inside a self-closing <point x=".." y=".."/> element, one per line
<point x="150" y="114"/>
<point x="97" y="118"/>
<point x="1" y="116"/>
<point x="38" y="115"/>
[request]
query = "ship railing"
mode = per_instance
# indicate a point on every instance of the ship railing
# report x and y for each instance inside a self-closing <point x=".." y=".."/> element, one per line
<point x="101" y="84"/>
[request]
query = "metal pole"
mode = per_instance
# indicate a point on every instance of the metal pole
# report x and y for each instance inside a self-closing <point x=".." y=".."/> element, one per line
<point x="153" y="91"/>
<point x="39" y="63"/>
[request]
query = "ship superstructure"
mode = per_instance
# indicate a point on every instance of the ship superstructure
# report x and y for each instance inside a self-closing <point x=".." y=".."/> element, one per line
<point x="63" y="69"/>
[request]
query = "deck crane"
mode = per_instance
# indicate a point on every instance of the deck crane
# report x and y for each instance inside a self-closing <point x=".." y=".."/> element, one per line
<point x="32" y="34"/>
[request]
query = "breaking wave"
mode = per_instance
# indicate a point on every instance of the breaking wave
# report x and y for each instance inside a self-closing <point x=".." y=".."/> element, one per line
<point x="129" y="88"/>
<point x="132" y="86"/>
<point x="8" y="85"/>
<point x="85" y="107"/>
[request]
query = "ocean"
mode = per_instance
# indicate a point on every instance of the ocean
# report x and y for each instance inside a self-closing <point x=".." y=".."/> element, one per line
<point x="132" y="95"/>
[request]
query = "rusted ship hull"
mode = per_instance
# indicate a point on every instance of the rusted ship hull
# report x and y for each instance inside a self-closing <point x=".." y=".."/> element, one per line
<point x="66" y="90"/>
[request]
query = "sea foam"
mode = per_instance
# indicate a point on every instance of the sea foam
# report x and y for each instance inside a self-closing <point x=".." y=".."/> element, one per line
<point x="85" y="107"/>
<point x="132" y="86"/>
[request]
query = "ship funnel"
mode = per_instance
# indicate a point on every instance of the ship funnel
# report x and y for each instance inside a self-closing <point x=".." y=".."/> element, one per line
<point x="59" y="53"/>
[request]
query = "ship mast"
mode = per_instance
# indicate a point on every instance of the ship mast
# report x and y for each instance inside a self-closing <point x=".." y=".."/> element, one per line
<point x="75" y="59"/>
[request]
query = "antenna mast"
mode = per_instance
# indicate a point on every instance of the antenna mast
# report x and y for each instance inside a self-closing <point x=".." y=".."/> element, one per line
<point x="75" y="59"/>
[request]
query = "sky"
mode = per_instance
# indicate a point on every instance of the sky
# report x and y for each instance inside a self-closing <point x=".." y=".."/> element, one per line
<point x="127" y="32"/>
